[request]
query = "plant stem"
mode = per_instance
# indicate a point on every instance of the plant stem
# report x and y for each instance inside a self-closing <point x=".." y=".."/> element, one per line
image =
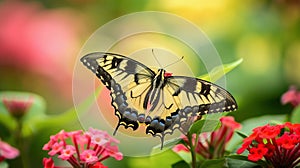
<point x="192" y="149"/>
<point x="20" y="143"/>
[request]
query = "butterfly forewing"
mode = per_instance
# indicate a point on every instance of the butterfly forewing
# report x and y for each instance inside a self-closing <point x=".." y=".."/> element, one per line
<point x="141" y="95"/>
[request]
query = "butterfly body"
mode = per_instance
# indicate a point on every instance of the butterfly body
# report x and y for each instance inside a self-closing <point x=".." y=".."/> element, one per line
<point x="158" y="99"/>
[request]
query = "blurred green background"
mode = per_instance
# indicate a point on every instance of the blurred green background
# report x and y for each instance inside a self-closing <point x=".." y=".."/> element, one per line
<point x="40" y="41"/>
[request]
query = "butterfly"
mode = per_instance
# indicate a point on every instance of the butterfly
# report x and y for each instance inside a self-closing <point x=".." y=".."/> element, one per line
<point x="154" y="97"/>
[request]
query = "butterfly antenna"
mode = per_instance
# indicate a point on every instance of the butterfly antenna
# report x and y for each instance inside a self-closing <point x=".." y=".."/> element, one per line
<point x="156" y="58"/>
<point x="174" y="62"/>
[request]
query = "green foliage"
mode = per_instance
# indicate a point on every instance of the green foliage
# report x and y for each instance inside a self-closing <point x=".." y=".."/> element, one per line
<point x="3" y="165"/>
<point x="180" y="164"/>
<point x="295" y="116"/>
<point x="167" y="144"/>
<point x="237" y="161"/>
<point x="220" y="71"/>
<point x="241" y="134"/>
<point x="213" y="163"/>
<point x="206" y="125"/>
<point x="164" y="159"/>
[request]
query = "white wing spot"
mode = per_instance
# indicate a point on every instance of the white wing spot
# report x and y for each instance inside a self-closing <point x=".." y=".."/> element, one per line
<point x="88" y="64"/>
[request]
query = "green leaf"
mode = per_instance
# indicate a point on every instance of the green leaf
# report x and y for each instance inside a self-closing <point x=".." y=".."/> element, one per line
<point x="242" y="134"/>
<point x="205" y="125"/>
<point x="164" y="159"/>
<point x="180" y="164"/>
<point x="186" y="156"/>
<point x="295" y="116"/>
<point x="167" y="144"/>
<point x="237" y="161"/>
<point x="213" y="163"/>
<point x="3" y="165"/>
<point x="220" y="71"/>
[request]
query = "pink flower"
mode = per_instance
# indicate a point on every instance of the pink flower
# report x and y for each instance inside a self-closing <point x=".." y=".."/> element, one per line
<point x="180" y="147"/>
<point x="228" y="125"/>
<point x="278" y="148"/>
<point x="56" y="148"/>
<point x="7" y="151"/>
<point x="113" y="151"/>
<point x="39" y="40"/>
<point x="212" y="145"/>
<point x="67" y="152"/>
<point x="85" y="149"/>
<point x="17" y="107"/>
<point x="94" y="132"/>
<point x="292" y="96"/>
<point x="88" y="156"/>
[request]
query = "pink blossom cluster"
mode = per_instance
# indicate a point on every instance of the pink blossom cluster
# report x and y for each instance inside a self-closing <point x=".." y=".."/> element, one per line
<point x="88" y="149"/>
<point x="7" y="151"/>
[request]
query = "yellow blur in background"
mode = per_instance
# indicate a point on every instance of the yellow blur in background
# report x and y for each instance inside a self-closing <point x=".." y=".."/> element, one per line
<point x="40" y="42"/>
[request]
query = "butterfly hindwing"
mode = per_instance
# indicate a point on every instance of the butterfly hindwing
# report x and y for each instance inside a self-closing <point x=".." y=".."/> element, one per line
<point x="164" y="103"/>
<point x="193" y="97"/>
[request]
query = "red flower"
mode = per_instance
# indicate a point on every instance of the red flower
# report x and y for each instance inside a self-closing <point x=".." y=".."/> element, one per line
<point x="287" y="141"/>
<point x="98" y="165"/>
<point x="269" y="132"/>
<point x="247" y="141"/>
<point x="292" y="96"/>
<point x="277" y="148"/>
<point x="48" y="163"/>
<point x="212" y="145"/>
<point x="256" y="153"/>
<point x="87" y="149"/>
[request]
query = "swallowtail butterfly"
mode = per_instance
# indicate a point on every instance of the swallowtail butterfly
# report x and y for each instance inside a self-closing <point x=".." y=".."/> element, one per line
<point x="162" y="102"/>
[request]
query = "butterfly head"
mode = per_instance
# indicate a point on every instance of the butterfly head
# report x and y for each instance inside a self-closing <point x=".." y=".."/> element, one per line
<point x="163" y="73"/>
<point x="167" y="74"/>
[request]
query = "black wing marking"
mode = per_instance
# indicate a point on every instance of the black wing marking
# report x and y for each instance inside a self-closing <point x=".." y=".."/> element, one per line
<point x="192" y="97"/>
